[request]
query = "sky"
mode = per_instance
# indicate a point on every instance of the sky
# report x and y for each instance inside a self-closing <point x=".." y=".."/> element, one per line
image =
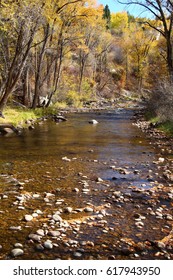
<point x="114" y="7"/>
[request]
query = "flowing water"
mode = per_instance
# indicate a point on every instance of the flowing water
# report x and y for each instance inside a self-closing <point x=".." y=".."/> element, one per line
<point x="96" y="177"/>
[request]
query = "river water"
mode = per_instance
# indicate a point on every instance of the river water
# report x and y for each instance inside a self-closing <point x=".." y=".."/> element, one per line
<point x="100" y="179"/>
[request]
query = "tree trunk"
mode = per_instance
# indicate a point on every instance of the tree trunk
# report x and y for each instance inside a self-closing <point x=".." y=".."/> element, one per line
<point x="39" y="68"/>
<point x="170" y="59"/>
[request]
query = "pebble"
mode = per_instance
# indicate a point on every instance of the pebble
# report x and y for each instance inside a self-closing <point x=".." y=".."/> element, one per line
<point x="34" y="215"/>
<point x="161" y="159"/>
<point x="88" y="209"/>
<point x="66" y="159"/>
<point x="16" y="228"/>
<point x="57" y="218"/>
<point x="34" y="237"/>
<point x="68" y="210"/>
<point x="40" y="232"/>
<point x="76" y="190"/>
<point x="39" y="247"/>
<point x="48" y="244"/>
<point x="54" y="233"/>
<point x="140" y="224"/>
<point x="99" y="180"/>
<point x="28" y="218"/>
<point x="93" y="122"/>
<point x="77" y="254"/>
<point x="39" y="212"/>
<point x="17" y="252"/>
<point x="18" y="245"/>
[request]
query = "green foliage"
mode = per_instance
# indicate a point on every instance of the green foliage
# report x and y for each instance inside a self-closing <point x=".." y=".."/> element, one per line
<point x="167" y="127"/>
<point x="107" y="16"/>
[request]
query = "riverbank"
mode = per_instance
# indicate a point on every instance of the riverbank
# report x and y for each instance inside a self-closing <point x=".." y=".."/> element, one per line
<point x="20" y="118"/>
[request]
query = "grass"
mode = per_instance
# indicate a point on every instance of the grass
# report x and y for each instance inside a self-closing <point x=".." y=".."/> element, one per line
<point x="167" y="127"/>
<point x="18" y="116"/>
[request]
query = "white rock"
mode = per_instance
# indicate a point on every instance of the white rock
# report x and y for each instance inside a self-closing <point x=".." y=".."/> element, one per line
<point x="28" y="218"/>
<point x="18" y="245"/>
<point x="68" y="209"/>
<point x="17" y="252"/>
<point x="161" y="159"/>
<point x="57" y="218"/>
<point x="66" y="159"/>
<point x="77" y="254"/>
<point x="54" y="233"/>
<point x="93" y="121"/>
<point x="88" y="209"/>
<point x="76" y="190"/>
<point x="40" y="232"/>
<point x="48" y="244"/>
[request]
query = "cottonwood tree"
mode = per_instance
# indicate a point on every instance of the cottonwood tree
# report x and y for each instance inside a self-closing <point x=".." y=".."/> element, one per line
<point x="162" y="11"/>
<point x="19" y="23"/>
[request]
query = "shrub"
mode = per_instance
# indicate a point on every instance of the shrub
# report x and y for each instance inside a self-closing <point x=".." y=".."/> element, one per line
<point x="161" y="102"/>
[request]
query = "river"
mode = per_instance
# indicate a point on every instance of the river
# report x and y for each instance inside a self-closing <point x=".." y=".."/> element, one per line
<point x="90" y="191"/>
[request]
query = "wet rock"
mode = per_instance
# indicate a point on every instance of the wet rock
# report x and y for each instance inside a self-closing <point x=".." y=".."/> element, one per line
<point x="57" y="218"/>
<point x="39" y="212"/>
<point x="93" y="122"/>
<point x="160" y="245"/>
<point x="88" y="209"/>
<point x="77" y="254"/>
<point x="39" y="247"/>
<point x="15" y="228"/>
<point x="139" y="224"/>
<point x="117" y="194"/>
<point x="18" y="245"/>
<point x="17" y="252"/>
<point x="68" y="210"/>
<point x="40" y="232"/>
<point x="28" y="218"/>
<point x="66" y="159"/>
<point x="76" y="190"/>
<point x="99" y="180"/>
<point x="169" y="217"/>
<point x="54" y="233"/>
<point x="48" y="244"/>
<point x="85" y="190"/>
<point x="20" y="207"/>
<point x="35" y="237"/>
<point x="161" y="159"/>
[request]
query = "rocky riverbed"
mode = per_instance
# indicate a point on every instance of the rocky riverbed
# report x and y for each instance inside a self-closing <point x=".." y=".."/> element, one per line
<point x="90" y="197"/>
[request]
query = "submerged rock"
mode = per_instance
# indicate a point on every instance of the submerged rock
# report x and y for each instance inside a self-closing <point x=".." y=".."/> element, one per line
<point x="93" y="122"/>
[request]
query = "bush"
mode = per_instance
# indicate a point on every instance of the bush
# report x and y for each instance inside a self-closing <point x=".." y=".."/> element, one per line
<point x="161" y="102"/>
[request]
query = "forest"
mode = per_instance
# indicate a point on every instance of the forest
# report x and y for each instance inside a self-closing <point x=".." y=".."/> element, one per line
<point x="67" y="53"/>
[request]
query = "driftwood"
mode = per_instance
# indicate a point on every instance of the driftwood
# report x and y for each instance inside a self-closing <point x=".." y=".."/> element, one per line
<point x="4" y="128"/>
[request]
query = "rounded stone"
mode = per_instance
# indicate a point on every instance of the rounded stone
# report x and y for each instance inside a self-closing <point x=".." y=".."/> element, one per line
<point x="40" y="232"/>
<point x="68" y="210"/>
<point x="28" y="218"/>
<point x="48" y="245"/>
<point x="88" y="209"/>
<point x="34" y="237"/>
<point x="18" y="245"/>
<point x="77" y="254"/>
<point x="57" y="218"/>
<point x="54" y="233"/>
<point x="17" y="252"/>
